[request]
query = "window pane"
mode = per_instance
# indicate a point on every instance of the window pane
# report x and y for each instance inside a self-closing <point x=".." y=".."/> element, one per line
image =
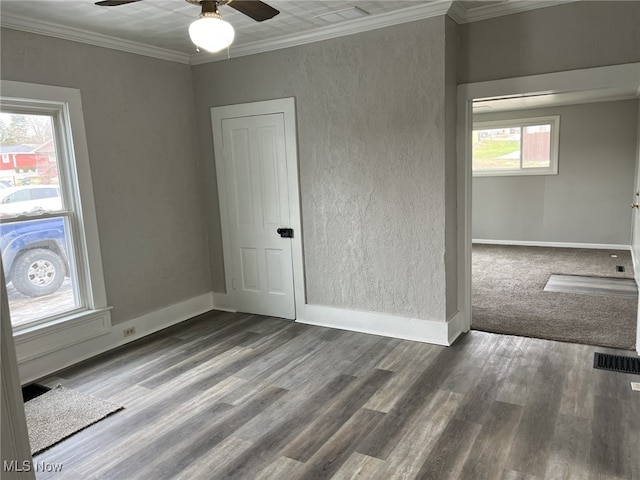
<point x="496" y="149"/>
<point x="29" y="170"/>
<point x="42" y="282"/>
<point x="536" y="146"/>
<point x="37" y="253"/>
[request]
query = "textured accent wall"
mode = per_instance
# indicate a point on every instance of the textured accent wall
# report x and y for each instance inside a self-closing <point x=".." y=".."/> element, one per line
<point x="566" y="37"/>
<point x="371" y="140"/>
<point x="588" y="201"/>
<point x="140" y="125"/>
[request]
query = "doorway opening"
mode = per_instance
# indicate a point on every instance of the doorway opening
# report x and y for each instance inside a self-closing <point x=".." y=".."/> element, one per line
<point x="529" y="220"/>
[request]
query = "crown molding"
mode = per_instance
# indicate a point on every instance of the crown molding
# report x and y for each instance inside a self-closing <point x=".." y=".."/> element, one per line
<point x="32" y="25"/>
<point x="458" y="13"/>
<point x="453" y="9"/>
<point x="418" y="12"/>
<point x="476" y="14"/>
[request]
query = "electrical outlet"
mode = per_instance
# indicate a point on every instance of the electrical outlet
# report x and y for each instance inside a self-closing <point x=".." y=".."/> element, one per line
<point x="635" y="386"/>
<point x="127" y="332"/>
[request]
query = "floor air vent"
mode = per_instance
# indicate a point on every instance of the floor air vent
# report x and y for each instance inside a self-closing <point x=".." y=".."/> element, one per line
<point x="616" y="363"/>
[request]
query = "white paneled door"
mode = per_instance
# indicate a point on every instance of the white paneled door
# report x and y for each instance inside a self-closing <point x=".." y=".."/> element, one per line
<point x="257" y="198"/>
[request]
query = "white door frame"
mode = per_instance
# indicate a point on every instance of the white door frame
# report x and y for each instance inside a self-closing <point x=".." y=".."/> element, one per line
<point x="15" y="437"/>
<point x="287" y="107"/>
<point x="602" y="82"/>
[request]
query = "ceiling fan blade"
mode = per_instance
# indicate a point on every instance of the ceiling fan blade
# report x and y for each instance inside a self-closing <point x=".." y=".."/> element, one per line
<point x="255" y="9"/>
<point x="114" y="3"/>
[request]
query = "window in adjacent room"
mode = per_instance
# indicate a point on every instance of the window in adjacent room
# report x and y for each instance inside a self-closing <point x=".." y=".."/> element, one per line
<point x="516" y="147"/>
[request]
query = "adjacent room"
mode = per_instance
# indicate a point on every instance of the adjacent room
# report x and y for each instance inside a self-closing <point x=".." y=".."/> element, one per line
<point x="264" y="253"/>
<point x="552" y="189"/>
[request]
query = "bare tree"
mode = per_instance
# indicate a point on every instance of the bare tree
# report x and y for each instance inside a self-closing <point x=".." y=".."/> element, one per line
<point x="40" y="128"/>
<point x="17" y="129"/>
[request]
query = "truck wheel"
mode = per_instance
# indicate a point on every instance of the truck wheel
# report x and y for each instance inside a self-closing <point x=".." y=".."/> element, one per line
<point x="37" y="272"/>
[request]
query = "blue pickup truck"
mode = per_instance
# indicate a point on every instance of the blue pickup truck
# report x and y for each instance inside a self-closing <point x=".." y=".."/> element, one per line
<point x="34" y="255"/>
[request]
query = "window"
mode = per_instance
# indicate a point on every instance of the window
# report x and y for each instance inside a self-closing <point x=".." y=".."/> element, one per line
<point x="49" y="243"/>
<point x="38" y="221"/>
<point x="516" y="147"/>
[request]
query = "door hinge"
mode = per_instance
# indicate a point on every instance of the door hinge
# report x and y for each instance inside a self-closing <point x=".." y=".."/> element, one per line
<point x="233" y="283"/>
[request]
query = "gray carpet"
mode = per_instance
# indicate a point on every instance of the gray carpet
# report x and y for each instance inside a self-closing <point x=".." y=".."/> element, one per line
<point x="509" y="296"/>
<point x="59" y="413"/>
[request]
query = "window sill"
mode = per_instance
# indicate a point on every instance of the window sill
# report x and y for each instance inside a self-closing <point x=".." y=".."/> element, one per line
<point x="515" y="173"/>
<point x="40" y="340"/>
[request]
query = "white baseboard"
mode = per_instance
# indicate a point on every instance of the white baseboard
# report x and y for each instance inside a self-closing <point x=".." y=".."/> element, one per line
<point x="457" y="326"/>
<point x="428" y="331"/>
<point x="34" y="368"/>
<point x="598" y="246"/>
<point x="78" y="347"/>
<point x="223" y="302"/>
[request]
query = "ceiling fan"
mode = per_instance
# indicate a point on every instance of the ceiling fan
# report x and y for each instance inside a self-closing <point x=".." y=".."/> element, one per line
<point x="209" y="31"/>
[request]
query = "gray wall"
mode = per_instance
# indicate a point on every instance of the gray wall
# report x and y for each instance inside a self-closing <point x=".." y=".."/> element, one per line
<point x="371" y="129"/>
<point x="140" y="123"/>
<point x="375" y="135"/>
<point x="587" y="202"/>
<point x="567" y="37"/>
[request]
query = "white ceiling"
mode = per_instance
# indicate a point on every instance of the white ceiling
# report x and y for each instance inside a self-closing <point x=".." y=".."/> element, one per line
<point x="542" y="99"/>
<point x="159" y="27"/>
<point x="164" y="23"/>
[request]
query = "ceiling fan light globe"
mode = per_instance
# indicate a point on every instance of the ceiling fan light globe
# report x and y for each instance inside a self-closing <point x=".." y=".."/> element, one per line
<point x="211" y="34"/>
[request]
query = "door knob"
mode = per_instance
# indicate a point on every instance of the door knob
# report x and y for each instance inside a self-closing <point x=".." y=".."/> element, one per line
<point x="285" y="232"/>
<point x="635" y="205"/>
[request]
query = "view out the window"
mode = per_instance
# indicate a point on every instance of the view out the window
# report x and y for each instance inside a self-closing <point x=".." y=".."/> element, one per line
<point x="36" y="219"/>
<point x="515" y="147"/>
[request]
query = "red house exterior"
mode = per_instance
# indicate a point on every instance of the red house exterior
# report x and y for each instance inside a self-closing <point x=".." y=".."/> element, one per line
<point x="24" y="158"/>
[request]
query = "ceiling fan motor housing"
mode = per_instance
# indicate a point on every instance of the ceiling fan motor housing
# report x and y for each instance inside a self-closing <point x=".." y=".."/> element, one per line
<point x="216" y="3"/>
<point x="210" y="9"/>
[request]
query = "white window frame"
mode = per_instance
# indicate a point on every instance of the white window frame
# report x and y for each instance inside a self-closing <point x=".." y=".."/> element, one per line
<point x="93" y="319"/>
<point x="552" y="169"/>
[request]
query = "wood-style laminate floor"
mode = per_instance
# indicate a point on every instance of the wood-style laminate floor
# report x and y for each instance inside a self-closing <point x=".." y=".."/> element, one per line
<point x="605" y="286"/>
<point x="234" y="396"/>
